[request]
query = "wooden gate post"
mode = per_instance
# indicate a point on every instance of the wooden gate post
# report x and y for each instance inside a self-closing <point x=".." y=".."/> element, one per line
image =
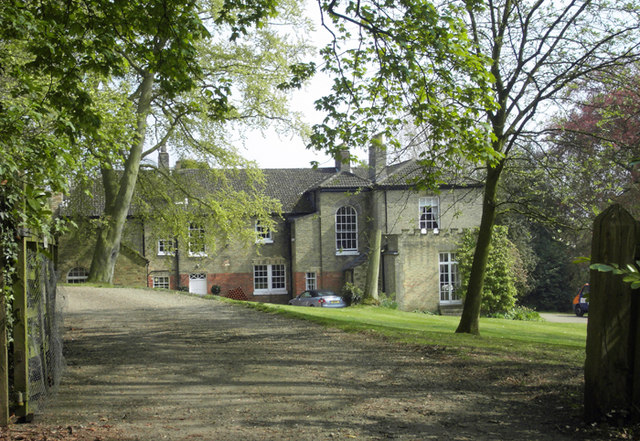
<point x="4" y="360"/>
<point x="612" y="367"/>
<point x="20" y="335"/>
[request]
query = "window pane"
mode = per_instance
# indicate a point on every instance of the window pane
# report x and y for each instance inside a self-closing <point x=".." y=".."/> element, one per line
<point x="346" y="229"/>
<point x="161" y="282"/>
<point x="165" y="246"/>
<point x="263" y="232"/>
<point x="277" y="277"/>
<point x="196" y="239"/>
<point x="260" y="277"/>
<point x="310" y="281"/>
<point x="449" y="278"/>
<point x="429" y="213"/>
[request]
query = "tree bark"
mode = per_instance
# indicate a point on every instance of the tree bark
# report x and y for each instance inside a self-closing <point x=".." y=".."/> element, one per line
<point x="117" y="204"/>
<point x="373" y="271"/>
<point x="469" y="322"/>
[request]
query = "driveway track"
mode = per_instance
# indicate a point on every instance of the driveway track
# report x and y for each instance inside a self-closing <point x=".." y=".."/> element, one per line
<point x="152" y="365"/>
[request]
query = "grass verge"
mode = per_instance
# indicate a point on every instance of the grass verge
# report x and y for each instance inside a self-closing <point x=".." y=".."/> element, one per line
<point x="500" y="338"/>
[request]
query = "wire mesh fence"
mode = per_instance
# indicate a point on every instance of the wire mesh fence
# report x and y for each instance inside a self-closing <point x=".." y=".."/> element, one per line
<point x="44" y="360"/>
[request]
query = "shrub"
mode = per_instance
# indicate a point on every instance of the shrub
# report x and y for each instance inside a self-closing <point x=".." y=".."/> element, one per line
<point x="499" y="291"/>
<point x="215" y="289"/>
<point x="351" y="294"/>
<point x="388" y="301"/>
<point x="519" y="313"/>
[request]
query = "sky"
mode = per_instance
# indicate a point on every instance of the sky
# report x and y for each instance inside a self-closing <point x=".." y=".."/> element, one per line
<point x="269" y="149"/>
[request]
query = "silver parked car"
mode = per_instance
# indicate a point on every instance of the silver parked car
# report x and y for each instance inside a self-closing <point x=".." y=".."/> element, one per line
<point x="318" y="297"/>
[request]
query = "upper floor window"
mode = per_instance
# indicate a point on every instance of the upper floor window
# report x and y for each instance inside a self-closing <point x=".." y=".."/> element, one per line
<point x="429" y="213"/>
<point x="263" y="233"/>
<point x="346" y="230"/>
<point x="196" y="240"/>
<point x="166" y="247"/>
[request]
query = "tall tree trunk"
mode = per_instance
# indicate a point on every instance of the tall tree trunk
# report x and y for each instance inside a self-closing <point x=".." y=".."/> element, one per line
<point x="373" y="270"/>
<point x="117" y="204"/>
<point x="471" y="311"/>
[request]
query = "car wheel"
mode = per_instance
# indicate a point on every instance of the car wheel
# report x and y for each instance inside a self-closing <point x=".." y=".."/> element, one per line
<point x="579" y="311"/>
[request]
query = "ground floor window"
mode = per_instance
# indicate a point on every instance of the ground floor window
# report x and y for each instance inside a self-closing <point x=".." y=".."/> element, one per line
<point x="161" y="282"/>
<point x="449" y="278"/>
<point x="310" y="281"/>
<point x="77" y="275"/>
<point x="269" y="279"/>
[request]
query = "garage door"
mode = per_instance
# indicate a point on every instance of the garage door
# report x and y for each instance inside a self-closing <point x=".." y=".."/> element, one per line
<point x="198" y="283"/>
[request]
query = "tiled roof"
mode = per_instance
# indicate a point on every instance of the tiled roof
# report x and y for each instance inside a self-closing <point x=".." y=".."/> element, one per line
<point x="345" y="180"/>
<point x="291" y="186"/>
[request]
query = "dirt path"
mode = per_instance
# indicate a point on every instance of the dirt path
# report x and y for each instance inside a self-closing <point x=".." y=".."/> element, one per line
<point x="145" y="365"/>
<point x="559" y="317"/>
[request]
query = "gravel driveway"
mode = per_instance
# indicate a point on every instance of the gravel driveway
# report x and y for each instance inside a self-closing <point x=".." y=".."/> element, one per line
<point x="149" y="365"/>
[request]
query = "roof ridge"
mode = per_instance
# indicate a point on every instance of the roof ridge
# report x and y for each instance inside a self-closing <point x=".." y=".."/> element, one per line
<point x="399" y="167"/>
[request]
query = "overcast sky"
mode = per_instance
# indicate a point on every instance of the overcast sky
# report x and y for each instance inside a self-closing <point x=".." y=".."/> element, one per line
<point x="273" y="151"/>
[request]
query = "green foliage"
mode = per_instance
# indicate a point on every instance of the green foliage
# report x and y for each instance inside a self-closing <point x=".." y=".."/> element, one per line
<point x="387" y="301"/>
<point x="44" y="111"/>
<point x="499" y="291"/>
<point x="630" y="272"/>
<point x="201" y="71"/>
<point x="519" y="313"/>
<point x="471" y="77"/>
<point x="351" y="294"/>
<point x="399" y="62"/>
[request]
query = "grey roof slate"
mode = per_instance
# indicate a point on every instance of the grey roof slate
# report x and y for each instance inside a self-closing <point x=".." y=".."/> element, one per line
<point x="291" y="186"/>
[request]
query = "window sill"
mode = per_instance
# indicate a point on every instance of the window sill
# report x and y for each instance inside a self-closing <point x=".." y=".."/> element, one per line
<point x="347" y="253"/>
<point x="266" y="292"/>
<point x="264" y="241"/>
<point x="197" y="254"/>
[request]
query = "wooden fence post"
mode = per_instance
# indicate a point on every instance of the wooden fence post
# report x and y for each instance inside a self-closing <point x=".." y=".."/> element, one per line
<point x="4" y="360"/>
<point x="20" y="334"/>
<point x="612" y="367"/>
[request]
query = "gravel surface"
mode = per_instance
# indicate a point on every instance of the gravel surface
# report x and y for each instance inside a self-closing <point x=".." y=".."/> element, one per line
<point x="150" y="365"/>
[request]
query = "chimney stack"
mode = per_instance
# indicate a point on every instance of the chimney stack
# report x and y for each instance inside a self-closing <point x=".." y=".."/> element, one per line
<point x="163" y="158"/>
<point x="377" y="158"/>
<point x="343" y="160"/>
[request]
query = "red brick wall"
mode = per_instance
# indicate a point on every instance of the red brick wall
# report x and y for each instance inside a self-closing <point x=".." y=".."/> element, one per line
<point x="228" y="281"/>
<point x="184" y="280"/>
<point x="332" y="280"/>
<point x="298" y="283"/>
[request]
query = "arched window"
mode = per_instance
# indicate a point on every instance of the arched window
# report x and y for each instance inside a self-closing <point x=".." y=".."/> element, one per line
<point x="77" y="275"/>
<point x="346" y="230"/>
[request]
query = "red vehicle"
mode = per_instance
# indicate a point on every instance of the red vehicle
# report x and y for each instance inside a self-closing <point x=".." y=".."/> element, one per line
<point x="581" y="301"/>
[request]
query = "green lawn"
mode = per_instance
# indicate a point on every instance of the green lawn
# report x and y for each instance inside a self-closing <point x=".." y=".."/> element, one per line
<point x="504" y="339"/>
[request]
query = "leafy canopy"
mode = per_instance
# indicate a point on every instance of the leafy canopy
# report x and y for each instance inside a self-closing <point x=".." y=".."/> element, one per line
<point x="404" y="62"/>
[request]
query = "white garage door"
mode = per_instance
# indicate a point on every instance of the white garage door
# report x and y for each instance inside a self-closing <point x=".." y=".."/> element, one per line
<point x="198" y="283"/>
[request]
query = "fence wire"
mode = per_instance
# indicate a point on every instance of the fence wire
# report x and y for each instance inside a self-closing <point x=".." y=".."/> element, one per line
<point x="44" y="317"/>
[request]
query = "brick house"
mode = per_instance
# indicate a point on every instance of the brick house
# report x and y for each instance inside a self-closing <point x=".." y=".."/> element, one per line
<point x="321" y="240"/>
